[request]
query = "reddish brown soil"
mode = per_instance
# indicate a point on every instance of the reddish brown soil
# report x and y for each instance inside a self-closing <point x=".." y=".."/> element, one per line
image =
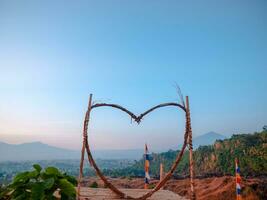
<point x="215" y="188"/>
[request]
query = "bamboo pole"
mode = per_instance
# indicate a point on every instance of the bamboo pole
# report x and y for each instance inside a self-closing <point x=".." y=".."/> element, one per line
<point x="191" y="162"/>
<point x="161" y="172"/>
<point x="85" y="137"/>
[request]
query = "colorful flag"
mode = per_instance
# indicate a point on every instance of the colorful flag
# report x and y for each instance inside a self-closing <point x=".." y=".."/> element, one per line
<point x="147" y="177"/>
<point x="237" y="180"/>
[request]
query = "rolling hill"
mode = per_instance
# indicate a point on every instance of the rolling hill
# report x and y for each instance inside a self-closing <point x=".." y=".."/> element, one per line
<point x="34" y="151"/>
<point x="41" y="151"/>
<point x="216" y="159"/>
<point x="207" y="139"/>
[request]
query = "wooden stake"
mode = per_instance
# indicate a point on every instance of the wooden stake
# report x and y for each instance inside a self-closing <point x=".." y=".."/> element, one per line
<point x="161" y="173"/>
<point x="191" y="162"/>
<point x="85" y="137"/>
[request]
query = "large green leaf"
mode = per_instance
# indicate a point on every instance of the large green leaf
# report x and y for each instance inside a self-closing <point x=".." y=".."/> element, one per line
<point x="71" y="179"/>
<point x="21" y="177"/>
<point x="22" y="196"/>
<point x="37" y="192"/>
<point x="48" y="183"/>
<point x="66" y="188"/>
<point x="20" y="193"/>
<point x="52" y="171"/>
<point x="37" y="167"/>
<point x="33" y="174"/>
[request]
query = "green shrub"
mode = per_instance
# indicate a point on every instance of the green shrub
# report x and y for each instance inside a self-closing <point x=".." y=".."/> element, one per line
<point x="94" y="185"/>
<point x="40" y="185"/>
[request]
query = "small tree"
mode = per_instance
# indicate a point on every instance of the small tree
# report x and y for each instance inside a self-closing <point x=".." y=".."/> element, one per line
<point x="265" y="128"/>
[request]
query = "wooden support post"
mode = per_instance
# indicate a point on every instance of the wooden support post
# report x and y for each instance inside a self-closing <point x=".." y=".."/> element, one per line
<point x="85" y="141"/>
<point x="161" y="172"/>
<point x="191" y="162"/>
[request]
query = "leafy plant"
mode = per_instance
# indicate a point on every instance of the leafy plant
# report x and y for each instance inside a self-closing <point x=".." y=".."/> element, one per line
<point x="94" y="185"/>
<point x="47" y="184"/>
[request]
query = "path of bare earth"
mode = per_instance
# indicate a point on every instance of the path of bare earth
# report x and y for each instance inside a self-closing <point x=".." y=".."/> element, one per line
<point x="214" y="188"/>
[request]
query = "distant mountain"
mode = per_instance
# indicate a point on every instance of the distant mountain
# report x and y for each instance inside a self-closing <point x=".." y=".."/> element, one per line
<point x="131" y="154"/>
<point x="34" y="151"/>
<point x="207" y="139"/>
<point x="41" y="151"/>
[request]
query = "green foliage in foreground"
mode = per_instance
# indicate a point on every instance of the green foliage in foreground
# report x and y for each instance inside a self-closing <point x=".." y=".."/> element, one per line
<point x="40" y="185"/>
<point x="216" y="159"/>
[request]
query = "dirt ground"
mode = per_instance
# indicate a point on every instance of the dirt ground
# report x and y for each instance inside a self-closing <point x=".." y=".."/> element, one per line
<point x="215" y="188"/>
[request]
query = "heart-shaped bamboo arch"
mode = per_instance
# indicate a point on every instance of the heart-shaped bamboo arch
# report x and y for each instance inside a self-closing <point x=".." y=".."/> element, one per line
<point x="187" y="141"/>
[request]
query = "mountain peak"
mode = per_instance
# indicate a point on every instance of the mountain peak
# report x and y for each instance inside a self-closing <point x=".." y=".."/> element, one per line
<point x="207" y="139"/>
<point x="212" y="133"/>
<point x="36" y="142"/>
<point x="34" y="151"/>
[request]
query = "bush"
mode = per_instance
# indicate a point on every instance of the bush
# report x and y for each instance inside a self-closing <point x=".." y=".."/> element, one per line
<point x="40" y="185"/>
<point x="94" y="185"/>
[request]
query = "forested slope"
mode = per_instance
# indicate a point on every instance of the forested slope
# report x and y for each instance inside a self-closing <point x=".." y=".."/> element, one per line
<point x="217" y="159"/>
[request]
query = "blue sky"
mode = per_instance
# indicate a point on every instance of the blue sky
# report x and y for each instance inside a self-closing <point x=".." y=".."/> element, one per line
<point x="53" y="54"/>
